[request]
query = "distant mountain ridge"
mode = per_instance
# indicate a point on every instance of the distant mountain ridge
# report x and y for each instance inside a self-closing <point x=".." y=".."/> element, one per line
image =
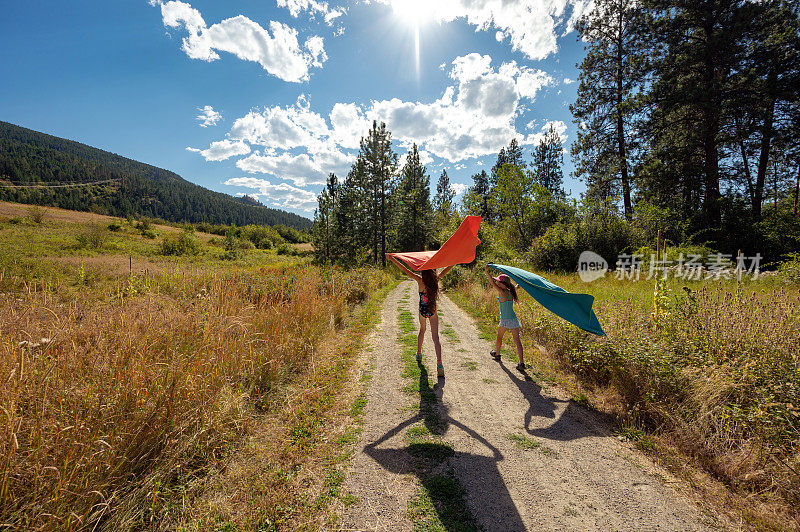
<point x="116" y="185"/>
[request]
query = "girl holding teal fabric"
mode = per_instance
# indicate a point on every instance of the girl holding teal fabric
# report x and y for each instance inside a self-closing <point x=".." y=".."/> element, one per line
<point x="507" y="295"/>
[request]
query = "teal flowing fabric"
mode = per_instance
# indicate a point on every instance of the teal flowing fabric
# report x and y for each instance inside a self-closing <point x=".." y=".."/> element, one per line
<point x="575" y="308"/>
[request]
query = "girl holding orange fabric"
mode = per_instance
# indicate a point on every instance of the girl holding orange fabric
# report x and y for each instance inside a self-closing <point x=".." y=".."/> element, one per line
<point x="428" y="288"/>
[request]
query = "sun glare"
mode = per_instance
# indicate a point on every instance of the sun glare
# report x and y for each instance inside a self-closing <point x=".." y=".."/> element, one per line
<point x="412" y="12"/>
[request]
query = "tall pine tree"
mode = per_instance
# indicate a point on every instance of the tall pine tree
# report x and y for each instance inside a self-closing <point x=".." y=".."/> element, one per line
<point x="323" y="231"/>
<point x="547" y="160"/>
<point x="498" y="165"/>
<point x="480" y="188"/>
<point x="412" y="206"/>
<point x="379" y="165"/>
<point x="612" y="79"/>
<point x="443" y="200"/>
<point x="767" y="95"/>
<point x="692" y="97"/>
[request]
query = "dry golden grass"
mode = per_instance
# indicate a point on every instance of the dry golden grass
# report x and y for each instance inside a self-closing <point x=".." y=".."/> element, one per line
<point x="54" y="214"/>
<point x="115" y="407"/>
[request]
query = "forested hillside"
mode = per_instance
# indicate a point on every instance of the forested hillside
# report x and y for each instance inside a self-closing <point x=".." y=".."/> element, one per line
<point x="47" y="170"/>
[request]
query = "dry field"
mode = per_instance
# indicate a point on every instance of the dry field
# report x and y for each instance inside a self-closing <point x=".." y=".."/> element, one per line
<point x="129" y="393"/>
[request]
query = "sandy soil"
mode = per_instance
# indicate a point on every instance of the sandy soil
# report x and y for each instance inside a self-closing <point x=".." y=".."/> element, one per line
<point x="580" y="477"/>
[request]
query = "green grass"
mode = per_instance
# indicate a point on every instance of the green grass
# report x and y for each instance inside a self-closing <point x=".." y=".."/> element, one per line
<point x="449" y="333"/>
<point x="582" y="399"/>
<point x="418" y="433"/>
<point x="89" y="238"/>
<point x="523" y="442"/>
<point x="547" y="451"/>
<point x="529" y="444"/>
<point x="640" y="438"/>
<point x="440" y="507"/>
<point x="439" y="504"/>
<point x="348" y="499"/>
<point x="359" y="404"/>
<point x="471" y="365"/>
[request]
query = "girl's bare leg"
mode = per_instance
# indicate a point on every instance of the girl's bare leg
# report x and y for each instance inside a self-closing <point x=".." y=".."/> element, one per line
<point x="499" y="343"/>
<point x="435" y="337"/>
<point x="421" y="334"/>
<point x="518" y="343"/>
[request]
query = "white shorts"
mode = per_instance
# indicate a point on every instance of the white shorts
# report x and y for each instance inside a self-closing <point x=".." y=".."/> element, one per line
<point x="513" y="323"/>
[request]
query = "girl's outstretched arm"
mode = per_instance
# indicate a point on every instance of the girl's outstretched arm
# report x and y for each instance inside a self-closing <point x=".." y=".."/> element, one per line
<point x="403" y="268"/>
<point x="443" y="272"/>
<point x="491" y="279"/>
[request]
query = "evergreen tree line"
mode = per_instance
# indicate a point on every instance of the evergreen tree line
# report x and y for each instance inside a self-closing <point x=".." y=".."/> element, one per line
<point x="520" y="200"/>
<point x="690" y="108"/>
<point x="28" y="158"/>
<point x="380" y="205"/>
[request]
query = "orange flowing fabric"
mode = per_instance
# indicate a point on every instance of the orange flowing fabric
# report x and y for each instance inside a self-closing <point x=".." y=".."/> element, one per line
<point x="459" y="249"/>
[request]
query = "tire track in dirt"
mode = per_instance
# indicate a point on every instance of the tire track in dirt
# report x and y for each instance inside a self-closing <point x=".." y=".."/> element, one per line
<point x="527" y="458"/>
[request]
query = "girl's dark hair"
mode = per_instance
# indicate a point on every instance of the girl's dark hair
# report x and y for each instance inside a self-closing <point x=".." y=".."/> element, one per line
<point x="431" y="286"/>
<point x="508" y="284"/>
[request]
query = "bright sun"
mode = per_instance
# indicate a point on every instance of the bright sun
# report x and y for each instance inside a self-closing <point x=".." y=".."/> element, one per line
<point x="412" y="12"/>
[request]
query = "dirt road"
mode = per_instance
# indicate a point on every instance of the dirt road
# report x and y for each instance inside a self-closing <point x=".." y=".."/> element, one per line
<point x="487" y="448"/>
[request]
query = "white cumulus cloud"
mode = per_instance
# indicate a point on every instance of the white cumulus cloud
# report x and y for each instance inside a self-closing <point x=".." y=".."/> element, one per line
<point x="276" y="49"/>
<point x="472" y="118"/>
<point x="558" y="126"/>
<point x="278" y="195"/>
<point x="222" y="149"/>
<point x="529" y="25"/>
<point x="459" y="188"/>
<point x="475" y="116"/>
<point x="302" y="169"/>
<point x="348" y="125"/>
<point x="314" y="7"/>
<point x="281" y="128"/>
<point x="280" y="132"/>
<point x="208" y="116"/>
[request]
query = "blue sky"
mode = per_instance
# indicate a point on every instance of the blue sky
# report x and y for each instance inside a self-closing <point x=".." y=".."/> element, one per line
<point x="266" y="97"/>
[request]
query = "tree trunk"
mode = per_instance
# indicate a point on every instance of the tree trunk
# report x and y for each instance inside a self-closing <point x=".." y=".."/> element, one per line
<point x="621" y="147"/>
<point x="711" y="125"/>
<point x="796" y="190"/>
<point x="711" y="194"/>
<point x="375" y="224"/>
<point x="414" y="245"/>
<point x="383" y="224"/>
<point x="747" y="173"/>
<point x="763" y="157"/>
<point x="775" y="180"/>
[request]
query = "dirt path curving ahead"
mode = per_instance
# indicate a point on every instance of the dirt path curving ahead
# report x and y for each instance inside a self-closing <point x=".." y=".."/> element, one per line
<point x="487" y="448"/>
